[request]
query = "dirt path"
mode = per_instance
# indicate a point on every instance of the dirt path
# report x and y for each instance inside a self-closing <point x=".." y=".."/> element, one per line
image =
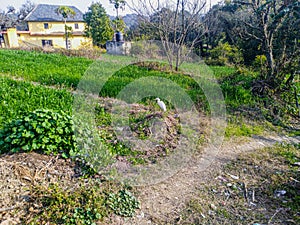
<point x="163" y="202"/>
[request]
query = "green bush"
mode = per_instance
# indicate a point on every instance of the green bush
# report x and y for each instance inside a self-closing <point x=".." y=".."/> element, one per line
<point x="41" y="130"/>
<point x="224" y="54"/>
<point x="259" y="61"/>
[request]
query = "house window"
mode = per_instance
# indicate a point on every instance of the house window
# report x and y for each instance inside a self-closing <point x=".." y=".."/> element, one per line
<point x="46" y="26"/>
<point x="47" y="43"/>
<point x="76" y="26"/>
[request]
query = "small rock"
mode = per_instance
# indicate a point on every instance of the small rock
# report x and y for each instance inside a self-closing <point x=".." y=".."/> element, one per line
<point x="280" y="193"/>
<point x="211" y="212"/>
<point x="142" y="215"/>
<point x="296" y="164"/>
<point x="233" y="176"/>
<point x="229" y="185"/>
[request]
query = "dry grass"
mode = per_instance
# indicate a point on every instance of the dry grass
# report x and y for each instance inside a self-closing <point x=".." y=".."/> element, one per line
<point x="247" y="191"/>
<point x="20" y="172"/>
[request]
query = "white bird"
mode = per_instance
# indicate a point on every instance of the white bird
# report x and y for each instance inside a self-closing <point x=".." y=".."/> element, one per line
<point x="161" y="104"/>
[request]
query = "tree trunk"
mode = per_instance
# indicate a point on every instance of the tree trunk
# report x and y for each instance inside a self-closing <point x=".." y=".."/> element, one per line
<point x="66" y="34"/>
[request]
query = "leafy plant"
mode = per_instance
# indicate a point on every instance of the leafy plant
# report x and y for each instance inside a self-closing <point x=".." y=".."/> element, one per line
<point x="122" y="203"/>
<point x="41" y="130"/>
<point x="18" y="97"/>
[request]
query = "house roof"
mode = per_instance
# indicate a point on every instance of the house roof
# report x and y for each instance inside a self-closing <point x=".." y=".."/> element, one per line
<point x="47" y="13"/>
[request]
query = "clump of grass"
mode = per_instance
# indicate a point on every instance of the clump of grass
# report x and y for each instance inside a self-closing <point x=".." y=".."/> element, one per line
<point x="238" y="127"/>
<point x="81" y="206"/>
<point x="122" y="203"/>
<point x="84" y="204"/>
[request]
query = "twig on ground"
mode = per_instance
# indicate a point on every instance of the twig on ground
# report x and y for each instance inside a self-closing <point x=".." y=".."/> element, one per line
<point x="9" y="208"/>
<point x="245" y="191"/>
<point x="272" y="217"/>
<point x="253" y="195"/>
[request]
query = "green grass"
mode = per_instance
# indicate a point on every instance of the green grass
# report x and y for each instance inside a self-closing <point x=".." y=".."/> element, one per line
<point x="222" y="71"/>
<point x="155" y="83"/>
<point x="56" y="69"/>
<point x="47" y="69"/>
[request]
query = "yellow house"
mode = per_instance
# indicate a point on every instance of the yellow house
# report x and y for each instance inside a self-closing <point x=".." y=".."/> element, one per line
<point x="47" y="28"/>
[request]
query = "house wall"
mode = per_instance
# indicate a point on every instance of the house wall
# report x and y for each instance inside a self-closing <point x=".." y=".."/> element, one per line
<point x="55" y="33"/>
<point x="53" y="27"/>
<point x="58" y="41"/>
<point x="11" y="38"/>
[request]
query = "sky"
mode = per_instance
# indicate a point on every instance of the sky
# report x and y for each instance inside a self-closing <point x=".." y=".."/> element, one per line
<point x="80" y="4"/>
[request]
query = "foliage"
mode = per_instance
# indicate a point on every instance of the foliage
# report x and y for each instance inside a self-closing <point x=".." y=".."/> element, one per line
<point x="177" y="24"/>
<point x="84" y="205"/>
<point x="130" y="73"/>
<point x="259" y="62"/>
<point x="119" y="25"/>
<point x="42" y="130"/>
<point x="239" y="128"/>
<point x="98" y="24"/>
<point x="8" y="19"/>
<point x="237" y="88"/>
<point x="224" y="54"/>
<point x="122" y="203"/>
<point x="26" y="8"/>
<point x="145" y="49"/>
<point x="65" y="11"/>
<point x="275" y="25"/>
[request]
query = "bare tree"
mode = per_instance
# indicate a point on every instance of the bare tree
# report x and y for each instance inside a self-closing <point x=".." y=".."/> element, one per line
<point x="25" y="9"/>
<point x="8" y="18"/>
<point x="174" y="21"/>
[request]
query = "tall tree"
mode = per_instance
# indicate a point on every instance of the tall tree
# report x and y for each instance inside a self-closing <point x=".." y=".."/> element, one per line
<point x="66" y="13"/>
<point x="275" y="25"/>
<point x="98" y="25"/>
